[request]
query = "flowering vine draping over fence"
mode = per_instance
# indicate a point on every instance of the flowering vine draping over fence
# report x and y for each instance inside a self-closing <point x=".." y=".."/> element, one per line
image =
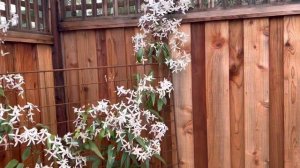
<point x="122" y="124"/>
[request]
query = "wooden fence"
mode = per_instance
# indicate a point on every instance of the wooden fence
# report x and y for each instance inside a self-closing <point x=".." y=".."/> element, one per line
<point x="245" y="100"/>
<point x="236" y="106"/>
<point x="34" y="62"/>
<point x="99" y="60"/>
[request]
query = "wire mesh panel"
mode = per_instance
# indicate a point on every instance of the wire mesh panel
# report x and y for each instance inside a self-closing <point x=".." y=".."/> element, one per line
<point x="86" y="92"/>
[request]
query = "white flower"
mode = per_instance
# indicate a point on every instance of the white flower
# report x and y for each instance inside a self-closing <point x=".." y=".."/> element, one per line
<point x="179" y="64"/>
<point x="13" y="81"/>
<point x="165" y="87"/>
<point x="3" y="111"/>
<point x="159" y="129"/>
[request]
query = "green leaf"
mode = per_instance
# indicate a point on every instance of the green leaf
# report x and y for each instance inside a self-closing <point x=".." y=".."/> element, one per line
<point x="95" y="161"/>
<point x="2" y="94"/>
<point x="102" y="134"/>
<point x="110" y="157"/>
<point x="127" y="163"/>
<point x="7" y="129"/>
<point x="156" y="114"/>
<point x="95" y="149"/>
<point x="165" y="100"/>
<point x="150" y="54"/>
<point x="133" y="158"/>
<point x="86" y="146"/>
<point x="147" y="163"/>
<point x="160" y="104"/>
<point x="141" y="142"/>
<point x="166" y="51"/>
<point x="20" y="165"/>
<point x="152" y="95"/>
<point x="42" y="126"/>
<point x="11" y="164"/>
<point x="130" y="137"/>
<point x="26" y="153"/>
<point x="140" y="55"/>
<point x="124" y="157"/>
<point x="160" y="158"/>
<point x="138" y="78"/>
<point x="119" y="146"/>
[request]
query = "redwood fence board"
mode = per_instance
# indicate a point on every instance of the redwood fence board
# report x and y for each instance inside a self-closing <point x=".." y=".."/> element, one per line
<point x="291" y="91"/>
<point x="236" y="89"/>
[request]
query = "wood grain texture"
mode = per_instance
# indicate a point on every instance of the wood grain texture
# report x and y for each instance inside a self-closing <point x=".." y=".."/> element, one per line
<point x="26" y="60"/>
<point x="199" y="95"/>
<point x="276" y="93"/>
<point x="87" y="58"/>
<point x="46" y="85"/>
<point x="5" y="66"/>
<point x="116" y="56"/>
<point x="46" y="88"/>
<point x="183" y="109"/>
<point x="256" y="77"/>
<point x="217" y="95"/>
<point x="236" y="86"/>
<point x="131" y="58"/>
<point x="291" y="91"/>
<point x="102" y="61"/>
<point x="71" y="77"/>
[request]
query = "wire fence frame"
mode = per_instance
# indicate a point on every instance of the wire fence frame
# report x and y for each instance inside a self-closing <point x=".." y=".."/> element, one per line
<point x="42" y="91"/>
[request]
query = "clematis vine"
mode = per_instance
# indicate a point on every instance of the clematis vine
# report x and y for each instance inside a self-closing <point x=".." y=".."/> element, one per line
<point x="155" y="24"/>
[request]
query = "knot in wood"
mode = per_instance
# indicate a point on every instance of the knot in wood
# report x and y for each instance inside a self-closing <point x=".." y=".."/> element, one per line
<point x="218" y="42"/>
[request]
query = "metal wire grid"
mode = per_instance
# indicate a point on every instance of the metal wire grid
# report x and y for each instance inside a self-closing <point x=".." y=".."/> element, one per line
<point x="64" y="123"/>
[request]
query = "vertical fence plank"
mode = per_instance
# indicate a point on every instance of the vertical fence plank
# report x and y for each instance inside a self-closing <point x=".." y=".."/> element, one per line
<point x="256" y="41"/>
<point x="71" y="77"/>
<point x="6" y="66"/>
<point x="26" y="60"/>
<point x="199" y="94"/>
<point x="130" y="57"/>
<point x="115" y="42"/>
<point x="87" y="58"/>
<point x="46" y="89"/>
<point x="236" y="84"/>
<point x="46" y="85"/>
<point x="183" y="109"/>
<point x="276" y="94"/>
<point x="291" y="91"/>
<point x="217" y="85"/>
<point x="102" y="61"/>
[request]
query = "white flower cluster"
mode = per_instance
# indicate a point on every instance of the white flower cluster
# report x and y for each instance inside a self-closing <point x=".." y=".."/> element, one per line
<point x="61" y="150"/>
<point x="10" y="115"/>
<point x="127" y="118"/>
<point x="12" y="81"/>
<point x="155" y="22"/>
<point x="179" y="64"/>
<point x="31" y="136"/>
